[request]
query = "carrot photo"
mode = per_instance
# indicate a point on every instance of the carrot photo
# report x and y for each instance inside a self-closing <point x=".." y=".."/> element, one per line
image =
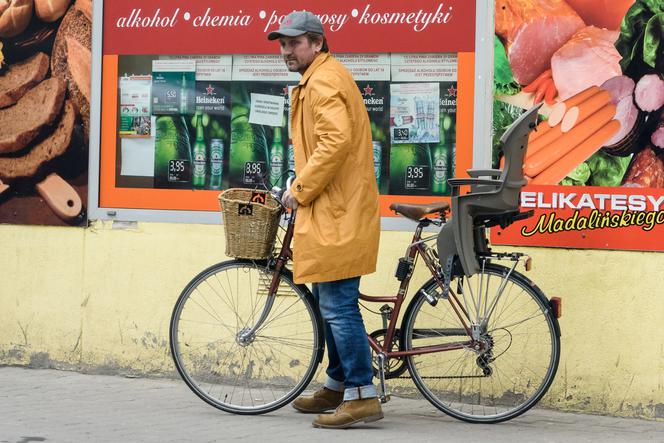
<point x="598" y="68"/>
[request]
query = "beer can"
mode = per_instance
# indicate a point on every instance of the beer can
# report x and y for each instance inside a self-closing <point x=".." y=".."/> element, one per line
<point x="216" y="162"/>
<point x="378" y="159"/>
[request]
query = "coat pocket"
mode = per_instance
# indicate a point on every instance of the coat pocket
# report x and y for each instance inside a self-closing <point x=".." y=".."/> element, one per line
<point x="336" y="198"/>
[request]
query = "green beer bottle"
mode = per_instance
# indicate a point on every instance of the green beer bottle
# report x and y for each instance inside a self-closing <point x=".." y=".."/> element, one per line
<point x="198" y="155"/>
<point x="291" y="157"/>
<point x="184" y="96"/>
<point x="439" y="176"/>
<point x="276" y="158"/>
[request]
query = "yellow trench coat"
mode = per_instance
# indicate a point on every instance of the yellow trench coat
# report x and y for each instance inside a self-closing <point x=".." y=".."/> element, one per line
<point x="338" y="222"/>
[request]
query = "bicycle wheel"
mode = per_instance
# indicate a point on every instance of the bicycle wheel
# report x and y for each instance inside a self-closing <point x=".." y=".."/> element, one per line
<point x="518" y="337"/>
<point x="239" y="349"/>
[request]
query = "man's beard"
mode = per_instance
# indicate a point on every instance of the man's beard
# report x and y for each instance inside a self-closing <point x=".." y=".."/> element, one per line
<point x="292" y="67"/>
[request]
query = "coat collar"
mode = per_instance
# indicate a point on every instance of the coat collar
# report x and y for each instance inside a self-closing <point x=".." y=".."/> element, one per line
<point x="319" y="60"/>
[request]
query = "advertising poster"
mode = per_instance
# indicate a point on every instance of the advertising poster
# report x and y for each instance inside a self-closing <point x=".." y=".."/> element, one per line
<point x="183" y="143"/>
<point x="45" y="62"/>
<point x="372" y="74"/>
<point x="423" y="167"/>
<point x="135" y="120"/>
<point x="595" y="163"/>
<point x="218" y="111"/>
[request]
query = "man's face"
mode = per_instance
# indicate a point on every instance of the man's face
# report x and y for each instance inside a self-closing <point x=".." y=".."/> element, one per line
<point x="298" y="52"/>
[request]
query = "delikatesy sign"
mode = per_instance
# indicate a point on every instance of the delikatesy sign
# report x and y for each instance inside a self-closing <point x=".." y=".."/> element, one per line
<point x="589" y="217"/>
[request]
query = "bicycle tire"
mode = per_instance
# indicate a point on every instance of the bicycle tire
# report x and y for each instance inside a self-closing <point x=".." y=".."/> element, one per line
<point x="215" y="359"/>
<point x="456" y="381"/>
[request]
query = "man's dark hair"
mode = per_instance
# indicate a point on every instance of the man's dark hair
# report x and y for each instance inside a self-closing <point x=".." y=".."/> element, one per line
<point x="313" y="37"/>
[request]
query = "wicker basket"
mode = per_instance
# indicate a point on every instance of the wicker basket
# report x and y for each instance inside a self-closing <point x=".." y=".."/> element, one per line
<point x="251" y="219"/>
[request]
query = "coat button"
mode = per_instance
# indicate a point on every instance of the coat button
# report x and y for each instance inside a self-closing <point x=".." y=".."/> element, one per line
<point x="298" y="187"/>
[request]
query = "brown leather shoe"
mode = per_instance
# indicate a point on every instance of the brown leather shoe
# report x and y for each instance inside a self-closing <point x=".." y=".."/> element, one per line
<point x="323" y="400"/>
<point x="349" y="413"/>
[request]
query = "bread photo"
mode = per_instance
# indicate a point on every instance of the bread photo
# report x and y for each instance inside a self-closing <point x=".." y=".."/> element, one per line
<point x="15" y="16"/>
<point x="21" y="77"/>
<point x="71" y="61"/>
<point x="37" y="109"/>
<point x="51" y="10"/>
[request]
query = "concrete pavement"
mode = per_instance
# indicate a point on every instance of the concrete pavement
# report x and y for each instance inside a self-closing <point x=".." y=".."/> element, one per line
<point x="57" y="406"/>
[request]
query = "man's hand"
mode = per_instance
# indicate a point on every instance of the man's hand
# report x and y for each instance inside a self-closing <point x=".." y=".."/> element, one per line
<point x="288" y="200"/>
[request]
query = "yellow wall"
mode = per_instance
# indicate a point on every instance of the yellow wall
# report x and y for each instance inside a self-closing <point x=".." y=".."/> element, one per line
<point x="100" y="299"/>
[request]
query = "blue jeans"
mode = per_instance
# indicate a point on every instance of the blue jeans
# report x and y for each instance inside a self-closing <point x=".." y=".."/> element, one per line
<point x="349" y="368"/>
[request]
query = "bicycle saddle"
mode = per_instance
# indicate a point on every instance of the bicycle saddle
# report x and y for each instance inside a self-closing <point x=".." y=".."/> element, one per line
<point x="417" y="212"/>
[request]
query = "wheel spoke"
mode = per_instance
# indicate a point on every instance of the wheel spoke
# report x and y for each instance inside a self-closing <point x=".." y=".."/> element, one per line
<point x="226" y="363"/>
<point x="515" y="362"/>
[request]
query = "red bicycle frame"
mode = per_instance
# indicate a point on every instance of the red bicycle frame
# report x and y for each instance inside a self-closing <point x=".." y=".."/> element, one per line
<point x="417" y="248"/>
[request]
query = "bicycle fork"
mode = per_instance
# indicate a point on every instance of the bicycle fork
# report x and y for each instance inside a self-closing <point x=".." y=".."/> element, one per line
<point x="247" y="334"/>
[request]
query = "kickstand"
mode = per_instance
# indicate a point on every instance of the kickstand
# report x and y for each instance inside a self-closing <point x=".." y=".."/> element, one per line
<point x="384" y="398"/>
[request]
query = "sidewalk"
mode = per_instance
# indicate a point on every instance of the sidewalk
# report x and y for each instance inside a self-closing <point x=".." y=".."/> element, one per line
<point x="56" y="406"/>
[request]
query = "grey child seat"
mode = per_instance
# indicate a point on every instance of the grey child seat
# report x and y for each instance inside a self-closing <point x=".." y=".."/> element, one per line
<point x="493" y="200"/>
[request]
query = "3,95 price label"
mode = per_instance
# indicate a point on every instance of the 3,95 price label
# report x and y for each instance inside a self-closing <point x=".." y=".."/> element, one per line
<point x="417" y="177"/>
<point x="254" y="173"/>
<point x="179" y="171"/>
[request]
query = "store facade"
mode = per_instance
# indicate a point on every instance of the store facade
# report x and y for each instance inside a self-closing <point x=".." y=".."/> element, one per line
<point x="186" y="101"/>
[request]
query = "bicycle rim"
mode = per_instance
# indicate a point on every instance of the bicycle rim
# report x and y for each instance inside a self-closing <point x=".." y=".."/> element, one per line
<point x="221" y="360"/>
<point x="521" y="347"/>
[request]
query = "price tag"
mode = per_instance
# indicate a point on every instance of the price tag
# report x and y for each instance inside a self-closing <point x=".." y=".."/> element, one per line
<point x="417" y="177"/>
<point x="179" y="171"/>
<point x="401" y="134"/>
<point x="254" y="173"/>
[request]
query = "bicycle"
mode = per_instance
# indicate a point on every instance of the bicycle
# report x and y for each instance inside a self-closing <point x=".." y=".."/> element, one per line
<point x="481" y="346"/>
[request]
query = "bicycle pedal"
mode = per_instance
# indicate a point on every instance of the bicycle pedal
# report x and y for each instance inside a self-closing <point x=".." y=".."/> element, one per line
<point x="385" y="398"/>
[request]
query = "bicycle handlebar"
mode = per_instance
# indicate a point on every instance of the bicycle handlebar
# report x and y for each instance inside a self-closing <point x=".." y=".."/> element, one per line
<point x="278" y="192"/>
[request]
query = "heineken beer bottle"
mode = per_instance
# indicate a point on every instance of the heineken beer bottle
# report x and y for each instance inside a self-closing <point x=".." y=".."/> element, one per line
<point x="216" y="162"/>
<point x="439" y="176"/>
<point x="291" y="157"/>
<point x="276" y="158"/>
<point x="198" y="155"/>
<point x="184" y="96"/>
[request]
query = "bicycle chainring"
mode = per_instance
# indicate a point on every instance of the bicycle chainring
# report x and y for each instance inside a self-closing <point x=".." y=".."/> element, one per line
<point x="394" y="366"/>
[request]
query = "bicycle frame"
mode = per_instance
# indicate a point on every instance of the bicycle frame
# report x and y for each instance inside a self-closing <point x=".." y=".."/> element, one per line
<point x="416" y="248"/>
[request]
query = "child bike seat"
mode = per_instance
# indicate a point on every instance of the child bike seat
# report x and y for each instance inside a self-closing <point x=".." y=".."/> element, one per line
<point x="493" y="200"/>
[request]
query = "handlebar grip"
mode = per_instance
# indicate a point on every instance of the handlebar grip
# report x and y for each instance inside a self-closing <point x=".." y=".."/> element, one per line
<point x="277" y="192"/>
<point x="289" y="181"/>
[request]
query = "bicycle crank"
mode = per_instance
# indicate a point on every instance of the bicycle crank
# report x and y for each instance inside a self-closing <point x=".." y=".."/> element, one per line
<point x="394" y="367"/>
<point x="382" y="396"/>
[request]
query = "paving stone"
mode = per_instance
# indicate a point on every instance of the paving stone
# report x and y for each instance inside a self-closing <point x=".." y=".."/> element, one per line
<point x="55" y="406"/>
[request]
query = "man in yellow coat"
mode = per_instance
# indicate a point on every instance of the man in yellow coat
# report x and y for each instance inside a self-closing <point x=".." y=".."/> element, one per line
<point x="338" y="220"/>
